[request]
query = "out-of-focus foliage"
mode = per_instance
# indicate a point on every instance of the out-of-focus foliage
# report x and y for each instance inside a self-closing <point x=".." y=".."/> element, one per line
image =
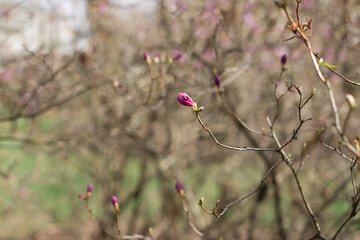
<point x="102" y="115"/>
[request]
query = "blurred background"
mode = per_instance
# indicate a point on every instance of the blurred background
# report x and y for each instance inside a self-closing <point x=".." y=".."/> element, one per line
<point x="80" y="105"/>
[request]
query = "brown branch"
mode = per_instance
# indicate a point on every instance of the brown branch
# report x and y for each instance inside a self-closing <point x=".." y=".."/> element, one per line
<point x="333" y="148"/>
<point x="231" y="147"/>
<point x="225" y="208"/>
<point x="237" y="118"/>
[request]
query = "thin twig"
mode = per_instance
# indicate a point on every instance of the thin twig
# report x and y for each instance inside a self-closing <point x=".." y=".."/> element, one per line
<point x="231" y="147"/>
<point x="192" y="226"/>
<point x="225" y="208"/>
<point x="238" y="119"/>
<point x="333" y="148"/>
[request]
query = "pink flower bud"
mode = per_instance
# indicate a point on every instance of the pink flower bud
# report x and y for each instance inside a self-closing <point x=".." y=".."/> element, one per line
<point x="177" y="55"/>
<point x="283" y="62"/>
<point x="283" y="59"/>
<point x="185" y="100"/>
<point x="115" y="203"/>
<point x="114" y="200"/>
<point x="147" y="57"/>
<point x="179" y="188"/>
<point x="156" y="58"/>
<point x="90" y="188"/>
<point x="80" y="195"/>
<point x="217" y="81"/>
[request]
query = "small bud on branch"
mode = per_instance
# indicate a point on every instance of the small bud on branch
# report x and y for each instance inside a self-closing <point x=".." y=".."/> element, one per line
<point x="283" y="61"/>
<point x="147" y="58"/>
<point x="185" y="100"/>
<point x="177" y="55"/>
<point x="217" y="81"/>
<point x="351" y="101"/>
<point x="115" y="203"/>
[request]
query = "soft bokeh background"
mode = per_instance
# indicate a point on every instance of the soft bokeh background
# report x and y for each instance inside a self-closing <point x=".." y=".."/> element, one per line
<point x="79" y="105"/>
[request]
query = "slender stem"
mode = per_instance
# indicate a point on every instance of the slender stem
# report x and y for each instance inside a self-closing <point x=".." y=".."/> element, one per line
<point x="308" y="208"/>
<point x="224" y="209"/>
<point x="192" y="226"/>
<point x="343" y="225"/>
<point x="231" y="147"/>
<point x="290" y="165"/>
<point x="297" y="15"/>
<point x="238" y="119"/>
<point x="117" y="225"/>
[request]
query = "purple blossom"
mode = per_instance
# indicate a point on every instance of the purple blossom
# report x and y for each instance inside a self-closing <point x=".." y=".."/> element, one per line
<point x="80" y="195"/>
<point x="114" y="200"/>
<point x="177" y="55"/>
<point x="115" y="203"/>
<point x="156" y="57"/>
<point x="217" y="81"/>
<point x="185" y="100"/>
<point x="90" y="188"/>
<point x="146" y="55"/>
<point x="179" y="188"/>
<point x="209" y="54"/>
<point x="308" y="3"/>
<point x="283" y="59"/>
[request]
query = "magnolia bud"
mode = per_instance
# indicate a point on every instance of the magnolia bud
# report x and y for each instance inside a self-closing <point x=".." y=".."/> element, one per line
<point x="156" y="58"/>
<point x="147" y="57"/>
<point x="115" y="203"/>
<point x="283" y="61"/>
<point x="179" y="188"/>
<point x="217" y="81"/>
<point x="185" y="100"/>
<point x="89" y="190"/>
<point x="177" y="55"/>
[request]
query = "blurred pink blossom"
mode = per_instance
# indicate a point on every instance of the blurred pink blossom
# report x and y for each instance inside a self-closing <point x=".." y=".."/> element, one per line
<point x="250" y="22"/>
<point x="116" y="83"/>
<point x="256" y="29"/>
<point x="248" y="6"/>
<point x="308" y="3"/>
<point x="249" y="19"/>
<point x="101" y="7"/>
<point x="202" y="33"/>
<point x="7" y="75"/>
<point x="209" y="54"/>
<point x="179" y="7"/>
<point x="197" y="64"/>
<point x="207" y="20"/>
<point x="177" y="55"/>
<point x="5" y="12"/>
